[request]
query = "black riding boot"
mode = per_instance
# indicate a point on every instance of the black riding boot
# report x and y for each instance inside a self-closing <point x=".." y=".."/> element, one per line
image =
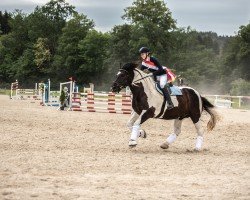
<point x="166" y="93"/>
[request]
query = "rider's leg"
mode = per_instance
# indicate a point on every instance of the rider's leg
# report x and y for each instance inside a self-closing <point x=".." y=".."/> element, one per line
<point x="166" y="90"/>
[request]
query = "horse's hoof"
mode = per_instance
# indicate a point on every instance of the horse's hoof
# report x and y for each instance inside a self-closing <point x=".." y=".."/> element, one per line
<point x="197" y="149"/>
<point x="164" y="145"/>
<point x="143" y="134"/>
<point x="132" y="143"/>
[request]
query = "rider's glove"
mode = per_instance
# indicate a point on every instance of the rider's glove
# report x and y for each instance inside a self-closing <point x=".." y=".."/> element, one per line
<point x="146" y="71"/>
<point x="152" y="75"/>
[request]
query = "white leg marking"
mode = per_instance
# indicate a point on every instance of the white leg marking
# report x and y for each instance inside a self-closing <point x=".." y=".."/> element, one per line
<point x="199" y="140"/>
<point x="135" y="132"/>
<point x="177" y="130"/>
<point x="171" y="138"/>
<point x="135" y="128"/>
<point x="133" y="118"/>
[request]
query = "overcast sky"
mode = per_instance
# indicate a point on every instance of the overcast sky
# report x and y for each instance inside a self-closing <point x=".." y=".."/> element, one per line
<point x="221" y="16"/>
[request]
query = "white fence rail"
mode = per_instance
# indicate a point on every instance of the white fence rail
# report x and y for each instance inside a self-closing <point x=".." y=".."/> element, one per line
<point x="227" y="101"/>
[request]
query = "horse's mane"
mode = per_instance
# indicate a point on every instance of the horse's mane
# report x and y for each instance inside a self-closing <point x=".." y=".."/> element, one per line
<point x="142" y="73"/>
<point x="133" y="66"/>
<point x="130" y="66"/>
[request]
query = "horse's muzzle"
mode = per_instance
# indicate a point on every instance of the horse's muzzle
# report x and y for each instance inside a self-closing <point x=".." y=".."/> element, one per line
<point x="115" y="88"/>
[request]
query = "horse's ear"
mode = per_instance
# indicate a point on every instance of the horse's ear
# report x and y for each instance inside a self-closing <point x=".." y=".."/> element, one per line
<point x="120" y="65"/>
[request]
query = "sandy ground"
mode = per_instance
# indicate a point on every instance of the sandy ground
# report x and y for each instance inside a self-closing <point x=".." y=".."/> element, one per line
<point x="50" y="154"/>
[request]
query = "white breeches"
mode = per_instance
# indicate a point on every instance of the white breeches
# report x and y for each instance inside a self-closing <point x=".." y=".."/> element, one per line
<point x="163" y="79"/>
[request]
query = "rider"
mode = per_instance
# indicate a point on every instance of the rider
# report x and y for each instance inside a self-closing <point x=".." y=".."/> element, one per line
<point x="152" y="65"/>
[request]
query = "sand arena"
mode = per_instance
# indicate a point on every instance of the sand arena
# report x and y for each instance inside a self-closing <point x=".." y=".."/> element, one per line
<point x="48" y="154"/>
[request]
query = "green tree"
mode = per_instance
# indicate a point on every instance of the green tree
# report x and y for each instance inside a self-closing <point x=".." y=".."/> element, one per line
<point x="120" y="43"/>
<point x="48" y="21"/>
<point x="93" y="52"/>
<point x="236" y="58"/>
<point x="195" y="56"/>
<point x="67" y="59"/>
<point x="153" y="22"/>
<point x="153" y="12"/>
<point x="240" y="87"/>
<point x="25" y="67"/>
<point x="42" y="53"/>
<point x="4" y="22"/>
<point x="243" y="56"/>
<point x="13" y="46"/>
<point x="120" y="50"/>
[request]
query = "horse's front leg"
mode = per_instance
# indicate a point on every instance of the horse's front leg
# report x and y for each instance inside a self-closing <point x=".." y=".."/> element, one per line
<point x="135" y="124"/>
<point x="130" y="124"/>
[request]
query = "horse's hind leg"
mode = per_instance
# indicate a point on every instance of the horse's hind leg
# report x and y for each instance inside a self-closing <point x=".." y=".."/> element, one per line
<point x="172" y="137"/>
<point x="199" y="139"/>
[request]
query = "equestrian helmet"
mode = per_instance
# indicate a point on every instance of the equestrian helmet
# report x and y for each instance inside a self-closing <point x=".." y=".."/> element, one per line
<point x="144" y="50"/>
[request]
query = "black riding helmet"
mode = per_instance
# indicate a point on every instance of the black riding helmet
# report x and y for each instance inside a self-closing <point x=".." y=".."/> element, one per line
<point x="144" y="50"/>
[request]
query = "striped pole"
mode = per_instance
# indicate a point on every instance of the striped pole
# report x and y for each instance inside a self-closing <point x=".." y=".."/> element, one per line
<point x="112" y="104"/>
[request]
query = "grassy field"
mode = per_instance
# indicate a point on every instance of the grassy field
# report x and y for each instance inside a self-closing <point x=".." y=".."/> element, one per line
<point x="4" y="92"/>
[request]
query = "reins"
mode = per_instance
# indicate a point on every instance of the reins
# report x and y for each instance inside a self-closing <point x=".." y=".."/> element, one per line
<point x="147" y="76"/>
<point x="142" y="78"/>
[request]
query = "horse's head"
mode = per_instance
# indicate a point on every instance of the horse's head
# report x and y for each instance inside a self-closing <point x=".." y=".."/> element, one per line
<point x="124" y="77"/>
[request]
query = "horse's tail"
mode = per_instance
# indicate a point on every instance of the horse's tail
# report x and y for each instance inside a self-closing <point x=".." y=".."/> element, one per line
<point x="214" y="115"/>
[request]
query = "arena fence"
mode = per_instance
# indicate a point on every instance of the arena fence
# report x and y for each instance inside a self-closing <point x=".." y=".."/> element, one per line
<point x="102" y="102"/>
<point x="91" y="101"/>
<point x="227" y="101"/>
<point x="24" y="94"/>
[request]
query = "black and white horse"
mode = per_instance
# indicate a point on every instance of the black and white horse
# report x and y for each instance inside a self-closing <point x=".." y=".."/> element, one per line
<point x="147" y="103"/>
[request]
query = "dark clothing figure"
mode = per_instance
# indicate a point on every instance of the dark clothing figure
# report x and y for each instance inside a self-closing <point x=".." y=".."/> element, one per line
<point x="152" y="65"/>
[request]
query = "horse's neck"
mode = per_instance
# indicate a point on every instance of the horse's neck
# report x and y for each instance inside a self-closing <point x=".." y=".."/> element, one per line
<point x="139" y="76"/>
<point x="146" y="84"/>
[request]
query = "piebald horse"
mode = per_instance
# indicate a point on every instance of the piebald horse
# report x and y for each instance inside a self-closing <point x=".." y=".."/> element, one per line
<point x="147" y="103"/>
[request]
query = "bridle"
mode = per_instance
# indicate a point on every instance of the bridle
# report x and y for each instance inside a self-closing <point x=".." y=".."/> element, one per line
<point x="127" y="74"/>
<point x="137" y="75"/>
<point x="142" y="77"/>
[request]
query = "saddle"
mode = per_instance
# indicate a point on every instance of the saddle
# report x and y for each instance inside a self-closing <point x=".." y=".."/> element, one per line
<point x="175" y="90"/>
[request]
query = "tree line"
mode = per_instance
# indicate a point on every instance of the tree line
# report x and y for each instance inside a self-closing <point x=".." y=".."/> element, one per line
<point x="55" y="41"/>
